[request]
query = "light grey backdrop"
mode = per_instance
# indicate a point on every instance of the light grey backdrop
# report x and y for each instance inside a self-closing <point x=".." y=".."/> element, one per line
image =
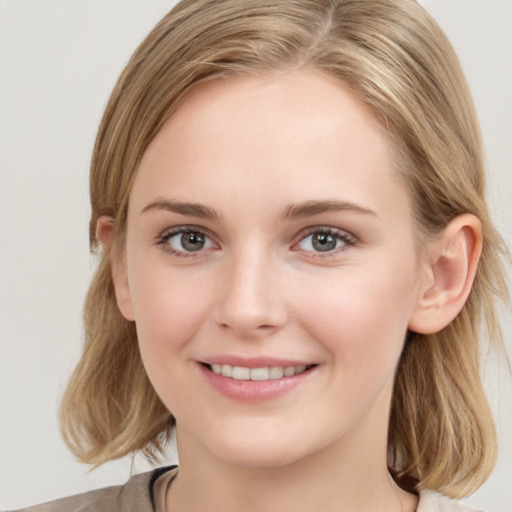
<point x="58" y="61"/>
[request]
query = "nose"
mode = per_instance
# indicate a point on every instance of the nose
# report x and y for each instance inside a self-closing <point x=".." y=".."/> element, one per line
<point x="251" y="296"/>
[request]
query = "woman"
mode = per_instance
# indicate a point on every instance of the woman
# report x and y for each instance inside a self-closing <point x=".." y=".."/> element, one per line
<point x="296" y="259"/>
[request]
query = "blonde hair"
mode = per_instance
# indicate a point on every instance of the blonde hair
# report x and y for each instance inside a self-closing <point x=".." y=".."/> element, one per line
<point x="393" y="56"/>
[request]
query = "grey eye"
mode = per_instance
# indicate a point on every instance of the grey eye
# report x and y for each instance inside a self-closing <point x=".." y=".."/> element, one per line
<point x="322" y="241"/>
<point x="189" y="241"/>
<point x="192" y="241"/>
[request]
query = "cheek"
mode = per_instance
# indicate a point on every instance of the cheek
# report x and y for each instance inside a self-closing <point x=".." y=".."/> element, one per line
<point x="169" y="305"/>
<point x="169" y="308"/>
<point x="361" y="318"/>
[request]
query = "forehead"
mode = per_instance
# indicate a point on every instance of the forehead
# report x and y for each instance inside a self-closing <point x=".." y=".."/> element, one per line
<point x="299" y="133"/>
<point x="304" y="101"/>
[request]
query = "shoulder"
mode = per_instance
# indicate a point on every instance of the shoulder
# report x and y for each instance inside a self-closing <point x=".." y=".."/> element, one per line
<point x="431" y="501"/>
<point x="134" y="496"/>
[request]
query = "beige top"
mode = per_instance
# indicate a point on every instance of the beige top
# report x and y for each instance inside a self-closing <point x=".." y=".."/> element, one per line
<point x="147" y="493"/>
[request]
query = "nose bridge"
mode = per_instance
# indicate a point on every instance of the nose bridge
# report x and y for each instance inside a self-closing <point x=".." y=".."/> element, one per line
<point x="250" y="303"/>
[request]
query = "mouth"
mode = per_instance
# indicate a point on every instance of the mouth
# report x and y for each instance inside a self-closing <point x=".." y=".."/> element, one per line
<point x="262" y="373"/>
<point x="255" y="380"/>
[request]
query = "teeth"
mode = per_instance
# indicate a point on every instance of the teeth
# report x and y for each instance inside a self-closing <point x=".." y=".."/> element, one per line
<point x="276" y="372"/>
<point x="260" y="373"/>
<point x="227" y="370"/>
<point x="241" y="373"/>
<point x="289" y="371"/>
<point x="264" y="373"/>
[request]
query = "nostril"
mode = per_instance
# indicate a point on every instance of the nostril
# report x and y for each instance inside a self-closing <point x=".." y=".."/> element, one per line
<point x="248" y="331"/>
<point x="264" y="327"/>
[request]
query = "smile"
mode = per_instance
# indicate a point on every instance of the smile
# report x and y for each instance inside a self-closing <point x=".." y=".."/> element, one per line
<point x="259" y="380"/>
<point x="263" y="373"/>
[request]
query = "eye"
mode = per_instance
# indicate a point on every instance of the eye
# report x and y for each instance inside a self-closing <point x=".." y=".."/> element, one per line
<point x="325" y="240"/>
<point x="184" y="241"/>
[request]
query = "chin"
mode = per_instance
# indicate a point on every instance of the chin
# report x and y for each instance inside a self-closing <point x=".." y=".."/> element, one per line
<point x="262" y="459"/>
<point x="256" y="450"/>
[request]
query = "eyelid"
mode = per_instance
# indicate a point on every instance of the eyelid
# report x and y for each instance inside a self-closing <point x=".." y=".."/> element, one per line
<point x="348" y="238"/>
<point x="163" y="238"/>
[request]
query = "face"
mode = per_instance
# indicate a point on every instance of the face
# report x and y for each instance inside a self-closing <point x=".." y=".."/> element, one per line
<point x="271" y="269"/>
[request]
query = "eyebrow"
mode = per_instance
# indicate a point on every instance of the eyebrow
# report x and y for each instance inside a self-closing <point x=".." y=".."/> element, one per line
<point x="191" y="209"/>
<point x="312" y="208"/>
<point x="293" y="211"/>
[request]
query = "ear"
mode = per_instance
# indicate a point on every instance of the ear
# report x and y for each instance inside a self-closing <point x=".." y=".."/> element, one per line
<point x="105" y="234"/>
<point x="450" y="274"/>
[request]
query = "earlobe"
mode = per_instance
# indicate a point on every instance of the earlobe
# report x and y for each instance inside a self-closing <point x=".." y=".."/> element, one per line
<point x="105" y="234"/>
<point x="452" y="268"/>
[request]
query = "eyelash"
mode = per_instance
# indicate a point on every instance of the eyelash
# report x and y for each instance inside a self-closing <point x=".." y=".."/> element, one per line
<point x="163" y="240"/>
<point x="346" y="238"/>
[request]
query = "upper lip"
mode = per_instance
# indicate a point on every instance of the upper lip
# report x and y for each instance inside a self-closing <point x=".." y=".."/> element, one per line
<point x="254" y="362"/>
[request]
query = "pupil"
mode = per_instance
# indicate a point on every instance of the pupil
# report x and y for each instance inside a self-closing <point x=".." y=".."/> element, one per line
<point x="324" y="242"/>
<point x="192" y="241"/>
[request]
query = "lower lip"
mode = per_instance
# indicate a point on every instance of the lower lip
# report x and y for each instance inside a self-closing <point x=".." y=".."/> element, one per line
<point x="254" y="390"/>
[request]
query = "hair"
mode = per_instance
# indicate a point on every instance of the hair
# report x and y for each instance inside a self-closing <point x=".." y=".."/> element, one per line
<point x="394" y="58"/>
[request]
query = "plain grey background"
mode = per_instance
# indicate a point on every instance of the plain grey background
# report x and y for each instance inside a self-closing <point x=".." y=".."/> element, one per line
<point x="58" y="62"/>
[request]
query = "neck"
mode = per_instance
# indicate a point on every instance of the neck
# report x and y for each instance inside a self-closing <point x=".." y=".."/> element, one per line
<point x="333" y="479"/>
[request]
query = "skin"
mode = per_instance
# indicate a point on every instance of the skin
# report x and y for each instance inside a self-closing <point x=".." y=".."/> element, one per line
<point x="250" y="149"/>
